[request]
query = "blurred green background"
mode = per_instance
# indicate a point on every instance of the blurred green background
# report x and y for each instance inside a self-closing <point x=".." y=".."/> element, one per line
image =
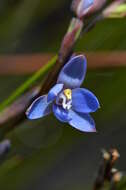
<point x="38" y="26"/>
<point x="46" y="154"/>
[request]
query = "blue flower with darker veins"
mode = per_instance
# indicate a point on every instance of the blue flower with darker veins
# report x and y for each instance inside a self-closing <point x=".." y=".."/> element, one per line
<point x="69" y="103"/>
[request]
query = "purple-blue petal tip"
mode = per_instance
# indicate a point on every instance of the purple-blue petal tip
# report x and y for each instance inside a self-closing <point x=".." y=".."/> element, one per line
<point x="73" y="72"/>
<point x="82" y="122"/>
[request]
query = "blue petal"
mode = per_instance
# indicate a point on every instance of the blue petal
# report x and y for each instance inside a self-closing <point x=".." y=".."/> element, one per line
<point x="84" y="101"/>
<point x="60" y="113"/>
<point x="82" y="122"/>
<point x="73" y="73"/>
<point x="54" y="92"/>
<point x="39" y="108"/>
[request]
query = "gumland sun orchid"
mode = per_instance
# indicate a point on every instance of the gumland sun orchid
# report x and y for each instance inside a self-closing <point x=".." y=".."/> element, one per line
<point x="68" y="102"/>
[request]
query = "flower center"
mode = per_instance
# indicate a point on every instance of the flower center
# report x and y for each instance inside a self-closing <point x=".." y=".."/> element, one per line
<point x="65" y="99"/>
<point x="68" y="93"/>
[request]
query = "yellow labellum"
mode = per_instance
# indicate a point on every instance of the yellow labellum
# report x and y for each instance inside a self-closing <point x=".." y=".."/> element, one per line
<point x="68" y="94"/>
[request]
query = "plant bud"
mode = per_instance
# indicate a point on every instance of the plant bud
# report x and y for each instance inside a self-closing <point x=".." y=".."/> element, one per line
<point x="81" y="7"/>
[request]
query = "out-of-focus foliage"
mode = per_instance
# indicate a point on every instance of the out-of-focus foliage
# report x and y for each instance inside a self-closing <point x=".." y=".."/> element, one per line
<point x="28" y="83"/>
<point x="26" y="21"/>
<point x="122" y="184"/>
<point x="37" y="26"/>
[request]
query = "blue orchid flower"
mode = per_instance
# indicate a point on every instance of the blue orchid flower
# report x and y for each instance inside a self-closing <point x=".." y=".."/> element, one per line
<point x="69" y="103"/>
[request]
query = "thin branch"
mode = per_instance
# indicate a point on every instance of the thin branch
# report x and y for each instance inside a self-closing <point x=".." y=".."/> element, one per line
<point x="15" y="113"/>
<point x="106" y="171"/>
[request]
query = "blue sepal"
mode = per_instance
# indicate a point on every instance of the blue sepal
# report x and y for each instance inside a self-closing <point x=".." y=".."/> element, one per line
<point x="73" y="73"/>
<point x="84" y="101"/>
<point x="39" y="108"/>
<point x="82" y="122"/>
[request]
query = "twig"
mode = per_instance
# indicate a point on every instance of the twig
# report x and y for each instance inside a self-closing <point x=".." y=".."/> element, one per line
<point x="106" y="171"/>
<point x="14" y="114"/>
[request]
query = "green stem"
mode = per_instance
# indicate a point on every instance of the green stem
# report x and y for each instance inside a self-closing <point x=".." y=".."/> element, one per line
<point x="39" y="74"/>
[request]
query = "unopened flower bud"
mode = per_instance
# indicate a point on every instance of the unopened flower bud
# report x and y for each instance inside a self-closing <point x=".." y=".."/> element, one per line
<point x="70" y="38"/>
<point x="97" y="5"/>
<point x="80" y="7"/>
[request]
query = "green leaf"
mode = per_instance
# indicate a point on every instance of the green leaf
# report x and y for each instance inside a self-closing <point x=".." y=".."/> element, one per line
<point x="38" y="75"/>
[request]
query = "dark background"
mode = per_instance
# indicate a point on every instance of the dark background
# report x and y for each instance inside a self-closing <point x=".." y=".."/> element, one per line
<point x="38" y="26"/>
